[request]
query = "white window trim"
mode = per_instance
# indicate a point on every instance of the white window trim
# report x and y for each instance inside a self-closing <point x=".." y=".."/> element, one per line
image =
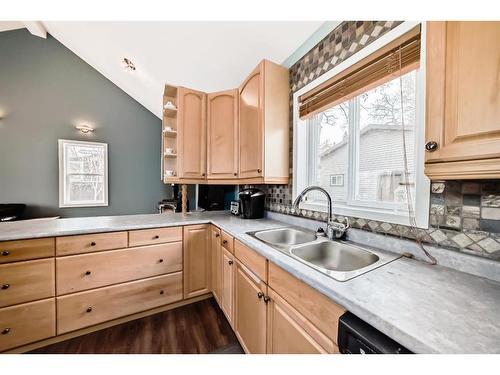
<point x="422" y="183"/>
<point x="62" y="175"/>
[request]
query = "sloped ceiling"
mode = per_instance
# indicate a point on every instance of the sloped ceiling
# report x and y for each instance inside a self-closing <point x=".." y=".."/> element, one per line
<point x="208" y="56"/>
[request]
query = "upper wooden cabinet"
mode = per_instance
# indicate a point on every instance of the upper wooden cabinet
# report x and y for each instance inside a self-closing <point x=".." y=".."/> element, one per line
<point x="192" y="134"/>
<point x="264" y="125"/>
<point x="222" y="135"/>
<point x="463" y="100"/>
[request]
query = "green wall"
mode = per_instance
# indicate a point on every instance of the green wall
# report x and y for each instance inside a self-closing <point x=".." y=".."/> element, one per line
<point x="45" y="89"/>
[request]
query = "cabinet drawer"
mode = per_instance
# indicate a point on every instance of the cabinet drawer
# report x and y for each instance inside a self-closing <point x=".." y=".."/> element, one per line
<point x="90" y="242"/>
<point x="26" y="323"/>
<point x="255" y="262"/>
<point x="316" y="307"/>
<point x="92" y="307"/>
<point x="13" y="251"/>
<point x="227" y="242"/>
<point x="154" y="236"/>
<point x="80" y="272"/>
<point x="26" y="281"/>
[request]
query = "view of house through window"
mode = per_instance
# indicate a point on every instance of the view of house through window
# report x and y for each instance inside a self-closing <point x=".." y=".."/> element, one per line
<point x="357" y="151"/>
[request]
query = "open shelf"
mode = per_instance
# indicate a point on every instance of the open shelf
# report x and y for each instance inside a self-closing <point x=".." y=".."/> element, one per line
<point x="169" y="133"/>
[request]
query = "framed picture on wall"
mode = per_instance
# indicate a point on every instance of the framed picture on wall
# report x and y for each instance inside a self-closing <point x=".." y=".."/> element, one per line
<point x="83" y="174"/>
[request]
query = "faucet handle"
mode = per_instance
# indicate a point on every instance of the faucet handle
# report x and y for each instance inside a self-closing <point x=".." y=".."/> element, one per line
<point x="320" y="232"/>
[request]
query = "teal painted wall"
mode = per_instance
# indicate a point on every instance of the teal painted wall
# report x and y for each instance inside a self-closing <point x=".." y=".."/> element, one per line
<point x="45" y="89"/>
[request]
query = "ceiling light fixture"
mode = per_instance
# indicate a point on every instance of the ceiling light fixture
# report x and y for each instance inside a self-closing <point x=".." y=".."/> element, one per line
<point x="84" y="129"/>
<point x="128" y="65"/>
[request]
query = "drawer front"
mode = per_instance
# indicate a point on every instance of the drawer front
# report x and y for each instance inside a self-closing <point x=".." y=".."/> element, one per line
<point x="26" y="323"/>
<point x="26" y="281"/>
<point x="255" y="262"/>
<point x="80" y="272"/>
<point x="227" y="242"/>
<point x="316" y="307"/>
<point x="85" y="309"/>
<point x="153" y="236"/>
<point x="90" y="242"/>
<point x="14" y="251"/>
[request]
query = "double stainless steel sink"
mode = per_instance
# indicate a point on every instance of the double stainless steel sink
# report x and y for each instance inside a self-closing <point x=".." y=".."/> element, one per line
<point x="337" y="259"/>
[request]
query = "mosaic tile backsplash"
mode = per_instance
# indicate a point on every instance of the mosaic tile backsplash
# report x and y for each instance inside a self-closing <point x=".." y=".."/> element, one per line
<point x="464" y="215"/>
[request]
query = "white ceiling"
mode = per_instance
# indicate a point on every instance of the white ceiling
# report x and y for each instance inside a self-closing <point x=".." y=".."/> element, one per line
<point x="208" y="56"/>
<point x="10" y="25"/>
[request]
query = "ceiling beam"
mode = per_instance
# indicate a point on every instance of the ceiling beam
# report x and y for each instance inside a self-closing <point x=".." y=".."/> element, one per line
<point x="36" y="28"/>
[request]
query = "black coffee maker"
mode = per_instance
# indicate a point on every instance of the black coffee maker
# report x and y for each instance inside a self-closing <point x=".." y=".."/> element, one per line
<point x="252" y="203"/>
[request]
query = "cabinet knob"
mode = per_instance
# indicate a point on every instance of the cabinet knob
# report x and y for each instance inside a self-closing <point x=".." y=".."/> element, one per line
<point x="431" y="146"/>
<point x="267" y="299"/>
<point x="224" y="242"/>
<point x="160" y="260"/>
<point x="156" y="237"/>
<point x="203" y="174"/>
<point x="162" y="292"/>
<point x="93" y="243"/>
<point x="259" y="170"/>
<point x="236" y="174"/>
<point x="89" y="309"/>
<point x="260" y="295"/>
<point x="5" y="253"/>
<point x="230" y="262"/>
<point x="217" y="235"/>
<point x="5" y="286"/>
<point x="88" y="273"/>
<point x="5" y="331"/>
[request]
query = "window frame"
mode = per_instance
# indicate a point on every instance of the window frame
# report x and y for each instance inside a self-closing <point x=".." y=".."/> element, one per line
<point x="367" y="210"/>
<point x="62" y="174"/>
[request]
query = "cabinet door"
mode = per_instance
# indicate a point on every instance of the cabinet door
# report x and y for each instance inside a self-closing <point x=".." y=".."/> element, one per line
<point x="197" y="260"/>
<point x="227" y="287"/>
<point x="251" y="124"/>
<point x="192" y="133"/>
<point x="289" y="332"/>
<point x="222" y="129"/>
<point x="216" y="262"/>
<point x="463" y="96"/>
<point x="250" y="311"/>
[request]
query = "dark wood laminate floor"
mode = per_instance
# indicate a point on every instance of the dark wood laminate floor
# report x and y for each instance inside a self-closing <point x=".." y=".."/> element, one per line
<point x="197" y="328"/>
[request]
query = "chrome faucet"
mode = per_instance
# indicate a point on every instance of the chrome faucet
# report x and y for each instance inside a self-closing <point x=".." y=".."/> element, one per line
<point x="333" y="228"/>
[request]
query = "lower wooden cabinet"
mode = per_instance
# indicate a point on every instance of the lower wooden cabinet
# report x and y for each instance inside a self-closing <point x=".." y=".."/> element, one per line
<point x="216" y="251"/>
<point x="26" y="323"/>
<point x="197" y="260"/>
<point x="92" y="307"/>
<point x="227" y="286"/>
<point x="250" y="310"/>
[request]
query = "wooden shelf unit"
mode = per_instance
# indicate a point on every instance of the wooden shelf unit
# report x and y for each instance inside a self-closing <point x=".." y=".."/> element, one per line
<point x="169" y="162"/>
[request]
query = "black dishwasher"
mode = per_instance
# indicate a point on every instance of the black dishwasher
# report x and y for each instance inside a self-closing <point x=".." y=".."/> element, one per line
<point x="358" y="337"/>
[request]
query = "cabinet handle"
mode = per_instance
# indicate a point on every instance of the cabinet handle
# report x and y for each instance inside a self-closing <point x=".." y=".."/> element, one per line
<point x="160" y="260"/>
<point x="93" y="243"/>
<point x="89" y="309"/>
<point x="431" y="146"/>
<point x="162" y="292"/>
<point x="88" y="273"/>
<point x="260" y="295"/>
<point x="267" y="299"/>
<point x="156" y="237"/>
<point x="5" y="331"/>
<point x="5" y="253"/>
<point x="230" y="262"/>
<point x="224" y="242"/>
<point x="5" y="286"/>
<point x="217" y="235"/>
<point x="259" y="170"/>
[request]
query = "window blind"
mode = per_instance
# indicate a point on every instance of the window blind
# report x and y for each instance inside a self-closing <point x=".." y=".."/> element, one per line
<point x="396" y="58"/>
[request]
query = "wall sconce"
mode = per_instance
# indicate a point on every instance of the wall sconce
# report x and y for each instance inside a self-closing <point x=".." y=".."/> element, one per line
<point x="85" y="129"/>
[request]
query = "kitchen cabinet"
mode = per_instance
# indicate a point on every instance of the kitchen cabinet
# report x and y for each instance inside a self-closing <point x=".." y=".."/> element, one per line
<point x="463" y="100"/>
<point x="264" y="125"/>
<point x="197" y="260"/>
<point x="222" y="135"/>
<point x="216" y="249"/>
<point x="250" y="316"/>
<point x="227" y="286"/>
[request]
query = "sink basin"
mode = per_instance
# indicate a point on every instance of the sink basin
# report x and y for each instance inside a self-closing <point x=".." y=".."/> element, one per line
<point x="285" y="237"/>
<point x="335" y="256"/>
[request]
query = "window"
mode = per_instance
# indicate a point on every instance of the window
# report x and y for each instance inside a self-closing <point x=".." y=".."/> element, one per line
<point x="359" y="147"/>
<point x="83" y="174"/>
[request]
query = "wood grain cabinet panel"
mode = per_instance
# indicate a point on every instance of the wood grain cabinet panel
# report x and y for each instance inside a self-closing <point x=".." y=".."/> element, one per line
<point x="154" y="236"/>
<point x="250" y="310"/>
<point x="227" y="286"/>
<point x="26" y="281"/>
<point x="88" y="243"/>
<point x="26" y="323"/>
<point x="463" y="100"/>
<point x="197" y="260"/>
<point x="14" y="251"/>
<point x="81" y="272"/>
<point x="256" y="262"/>
<point x="216" y="252"/>
<point x="227" y="242"/>
<point x="88" y="308"/>
<point x="222" y="135"/>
